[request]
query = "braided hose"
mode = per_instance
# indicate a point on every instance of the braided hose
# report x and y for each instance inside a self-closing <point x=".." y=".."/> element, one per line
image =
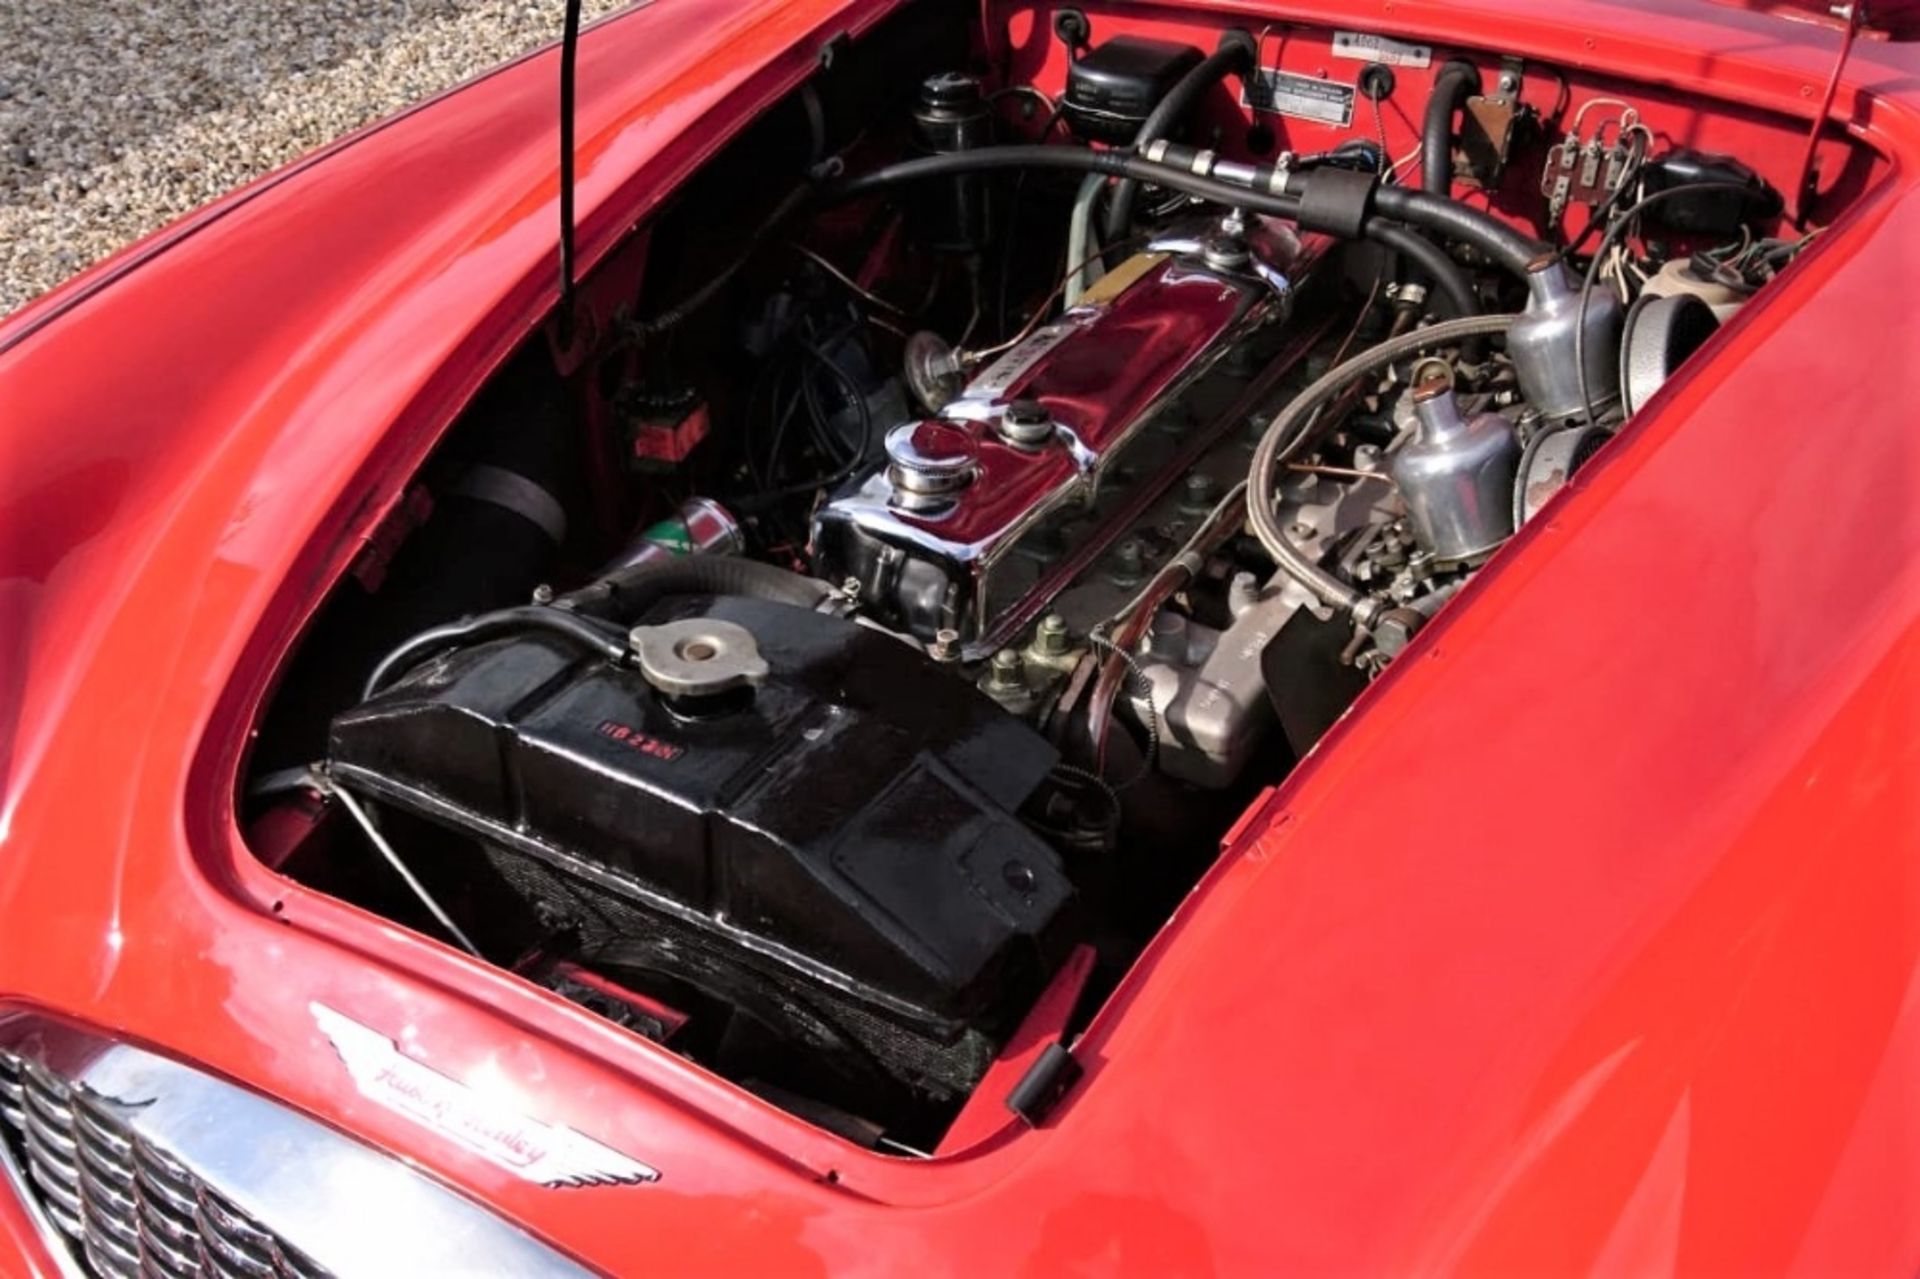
<point x="1290" y="430"/>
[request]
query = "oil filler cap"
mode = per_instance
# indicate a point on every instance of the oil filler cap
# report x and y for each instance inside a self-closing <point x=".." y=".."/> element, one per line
<point x="927" y="465"/>
<point x="697" y="657"/>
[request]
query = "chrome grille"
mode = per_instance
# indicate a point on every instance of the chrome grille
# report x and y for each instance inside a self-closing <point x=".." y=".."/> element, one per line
<point x="127" y="1207"/>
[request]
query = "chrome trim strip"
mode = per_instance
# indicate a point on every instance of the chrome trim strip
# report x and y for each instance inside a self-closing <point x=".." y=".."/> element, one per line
<point x="350" y="1208"/>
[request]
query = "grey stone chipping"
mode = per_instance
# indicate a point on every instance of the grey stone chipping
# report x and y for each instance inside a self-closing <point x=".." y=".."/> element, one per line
<point x="116" y="118"/>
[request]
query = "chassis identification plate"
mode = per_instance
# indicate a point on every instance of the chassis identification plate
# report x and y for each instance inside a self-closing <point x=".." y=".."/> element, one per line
<point x="1302" y="96"/>
<point x="1362" y="47"/>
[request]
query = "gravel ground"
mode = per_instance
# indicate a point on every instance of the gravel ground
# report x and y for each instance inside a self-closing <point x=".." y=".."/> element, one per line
<point x="115" y="118"/>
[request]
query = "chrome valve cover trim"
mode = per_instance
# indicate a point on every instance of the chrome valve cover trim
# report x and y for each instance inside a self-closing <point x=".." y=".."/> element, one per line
<point x="1105" y="374"/>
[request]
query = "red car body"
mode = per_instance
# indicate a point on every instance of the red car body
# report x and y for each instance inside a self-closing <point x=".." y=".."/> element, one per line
<point x="1588" y="943"/>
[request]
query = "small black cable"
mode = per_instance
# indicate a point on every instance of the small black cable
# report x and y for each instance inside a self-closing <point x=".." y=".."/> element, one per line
<point x="1607" y="241"/>
<point x="677" y="314"/>
<point x="1151" y="723"/>
<point x="570" y="626"/>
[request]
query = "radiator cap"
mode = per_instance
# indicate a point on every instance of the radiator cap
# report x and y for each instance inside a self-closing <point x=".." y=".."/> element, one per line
<point x="697" y="656"/>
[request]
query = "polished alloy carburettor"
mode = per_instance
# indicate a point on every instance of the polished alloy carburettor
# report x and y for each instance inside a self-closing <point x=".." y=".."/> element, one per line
<point x="1456" y="473"/>
<point x="1560" y="332"/>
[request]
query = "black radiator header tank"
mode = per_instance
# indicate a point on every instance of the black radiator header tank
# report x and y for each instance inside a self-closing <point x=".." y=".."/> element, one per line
<point x="845" y="821"/>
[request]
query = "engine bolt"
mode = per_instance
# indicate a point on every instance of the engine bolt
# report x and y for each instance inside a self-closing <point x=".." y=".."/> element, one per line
<point x="1026" y="424"/>
<point x="1052" y="638"/>
<point x="946" y="645"/>
<point x="1166" y="638"/>
<point x="1006" y="683"/>
<point x="1129" y="563"/>
<point x="543" y="594"/>
<point x="1199" y="493"/>
<point x="1301" y="530"/>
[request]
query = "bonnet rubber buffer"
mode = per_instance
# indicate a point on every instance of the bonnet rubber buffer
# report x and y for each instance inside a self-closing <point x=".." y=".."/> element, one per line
<point x="1044" y="1085"/>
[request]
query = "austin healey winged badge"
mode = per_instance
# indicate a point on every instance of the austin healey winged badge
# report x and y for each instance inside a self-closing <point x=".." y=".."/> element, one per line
<point x="548" y="1154"/>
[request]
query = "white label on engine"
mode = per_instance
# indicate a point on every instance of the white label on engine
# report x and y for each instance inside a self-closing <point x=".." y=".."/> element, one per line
<point x="1000" y="376"/>
<point x="1284" y="93"/>
<point x="1362" y="47"/>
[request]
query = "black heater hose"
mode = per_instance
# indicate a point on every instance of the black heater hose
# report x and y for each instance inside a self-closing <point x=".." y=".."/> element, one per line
<point x="626" y="593"/>
<point x="1511" y="250"/>
<point x="1455" y="83"/>
<point x="1268" y="191"/>
<point x="1235" y="56"/>
<point x="1429" y="257"/>
<point x="1261" y="189"/>
<point x="1076" y="159"/>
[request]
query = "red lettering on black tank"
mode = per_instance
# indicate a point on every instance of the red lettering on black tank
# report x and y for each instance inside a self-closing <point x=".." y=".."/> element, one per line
<point x="632" y="738"/>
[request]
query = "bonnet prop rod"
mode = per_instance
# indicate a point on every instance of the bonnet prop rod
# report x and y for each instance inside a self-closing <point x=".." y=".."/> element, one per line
<point x="569" y="53"/>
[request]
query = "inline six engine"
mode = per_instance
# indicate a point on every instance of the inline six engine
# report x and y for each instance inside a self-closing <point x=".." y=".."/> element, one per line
<point x="957" y="631"/>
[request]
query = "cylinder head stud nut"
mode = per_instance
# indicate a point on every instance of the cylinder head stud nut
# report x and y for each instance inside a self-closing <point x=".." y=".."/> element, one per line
<point x="1050" y="653"/>
<point x="1051" y="637"/>
<point x="1198" y="493"/>
<point x="1129" y="563"/>
<point x="1226" y="249"/>
<point x="1006" y="682"/>
<point x="1026" y="424"/>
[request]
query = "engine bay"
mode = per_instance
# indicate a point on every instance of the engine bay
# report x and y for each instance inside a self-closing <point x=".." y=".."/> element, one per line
<point x="1011" y="453"/>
